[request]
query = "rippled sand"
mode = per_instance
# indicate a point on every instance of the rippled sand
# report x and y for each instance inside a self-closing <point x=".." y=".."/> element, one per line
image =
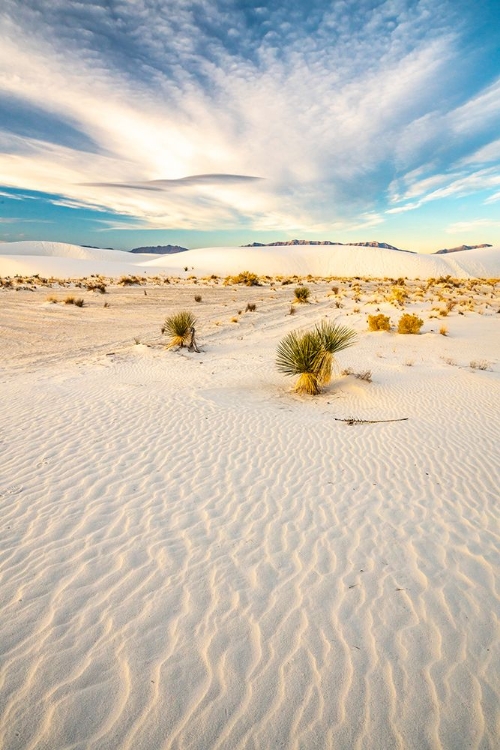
<point x="194" y="557"/>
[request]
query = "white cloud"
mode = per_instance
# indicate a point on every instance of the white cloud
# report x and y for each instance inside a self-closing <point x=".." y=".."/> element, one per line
<point x="322" y="116"/>
<point x="469" y="226"/>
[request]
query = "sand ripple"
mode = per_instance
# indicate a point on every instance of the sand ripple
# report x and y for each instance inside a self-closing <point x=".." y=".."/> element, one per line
<point x="186" y="566"/>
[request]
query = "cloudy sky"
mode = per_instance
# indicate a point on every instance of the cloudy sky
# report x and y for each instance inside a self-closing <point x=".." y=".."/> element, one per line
<point x="132" y="122"/>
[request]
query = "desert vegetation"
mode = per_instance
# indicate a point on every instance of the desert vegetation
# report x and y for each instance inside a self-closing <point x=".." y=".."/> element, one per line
<point x="180" y="328"/>
<point x="379" y="322"/>
<point x="302" y="294"/>
<point x="310" y="355"/>
<point x="410" y="324"/>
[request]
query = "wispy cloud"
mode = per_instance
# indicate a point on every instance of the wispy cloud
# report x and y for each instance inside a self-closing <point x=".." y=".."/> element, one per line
<point x="164" y="112"/>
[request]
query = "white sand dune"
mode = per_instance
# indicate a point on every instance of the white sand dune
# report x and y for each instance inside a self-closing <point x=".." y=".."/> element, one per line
<point x="194" y="557"/>
<point x="53" y="258"/>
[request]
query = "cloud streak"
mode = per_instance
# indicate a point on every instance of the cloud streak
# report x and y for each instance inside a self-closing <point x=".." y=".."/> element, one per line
<point x="164" y="111"/>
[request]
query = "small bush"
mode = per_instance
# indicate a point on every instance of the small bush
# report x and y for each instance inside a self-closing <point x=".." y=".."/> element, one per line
<point x="379" y="322"/>
<point x="443" y="331"/>
<point x="245" y="277"/>
<point x="410" y="324"/>
<point x="481" y="364"/>
<point x="79" y="302"/>
<point x="197" y="297"/>
<point x="96" y="286"/>
<point x="70" y="300"/>
<point x="251" y="307"/>
<point x="302" y="294"/>
<point x="51" y="298"/>
<point x="178" y="327"/>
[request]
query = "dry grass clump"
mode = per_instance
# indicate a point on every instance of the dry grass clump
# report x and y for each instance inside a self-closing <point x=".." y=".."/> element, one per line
<point x="379" y="322"/>
<point x="310" y="355"/>
<point x="79" y="302"/>
<point x="245" y="277"/>
<point x="443" y="331"/>
<point x="179" y="328"/>
<point x="363" y="375"/>
<point x="69" y="300"/>
<point x="302" y="294"/>
<point x="129" y="280"/>
<point x="480" y="364"/>
<point x="410" y="324"/>
<point x="51" y="298"/>
<point x="96" y="286"/>
<point x="251" y="307"/>
<point x="398" y="295"/>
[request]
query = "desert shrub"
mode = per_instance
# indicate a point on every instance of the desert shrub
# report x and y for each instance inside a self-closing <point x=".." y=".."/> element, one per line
<point x="251" y="307"/>
<point x="178" y="327"/>
<point x="310" y="355"/>
<point x="245" y="277"/>
<point x="335" y="289"/>
<point x="443" y="331"/>
<point x="398" y="294"/>
<point x="96" y="286"/>
<point x="70" y="300"/>
<point x="197" y="297"/>
<point x="481" y="364"/>
<point x="379" y="322"/>
<point x="302" y="294"/>
<point x="410" y="324"/>
<point x="79" y="302"/>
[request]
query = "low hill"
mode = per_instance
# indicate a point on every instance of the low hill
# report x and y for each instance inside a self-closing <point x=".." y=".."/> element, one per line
<point x="459" y="249"/>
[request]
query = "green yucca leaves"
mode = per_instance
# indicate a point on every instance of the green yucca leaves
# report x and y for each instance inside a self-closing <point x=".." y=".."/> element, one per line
<point x="310" y="355"/>
<point x="178" y="327"/>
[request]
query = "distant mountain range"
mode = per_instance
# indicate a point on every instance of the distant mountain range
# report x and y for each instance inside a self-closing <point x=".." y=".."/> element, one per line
<point x="171" y="249"/>
<point x="460" y="248"/>
<point x="373" y="243"/>
<point x="160" y="249"/>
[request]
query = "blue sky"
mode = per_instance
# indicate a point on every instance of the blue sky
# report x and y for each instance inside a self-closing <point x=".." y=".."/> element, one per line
<point x="219" y="122"/>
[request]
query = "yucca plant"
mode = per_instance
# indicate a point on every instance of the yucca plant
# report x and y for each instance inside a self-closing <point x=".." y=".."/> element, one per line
<point x="178" y="327"/>
<point x="302" y="294"/>
<point x="310" y="355"/>
<point x="332" y="339"/>
<point x="297" y="355"/>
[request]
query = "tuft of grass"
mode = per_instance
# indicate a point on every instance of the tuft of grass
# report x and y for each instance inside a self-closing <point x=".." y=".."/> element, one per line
<point x="251" y="307"/>
<point x="51" y="298"/>
<point x="410" y="324"/>
<point x="310" y="355"/>
<point x="443" y="331"/>
<point x="292" y="310"/>
<point x="79" y="302"/>
<point x="302" y="294"/>
<point x="480" y="364"/>
<point x="363" y="375"/>
<point x="70" y="300"/>
<point x="178" y="327"/>
<point x="379" y="322"/>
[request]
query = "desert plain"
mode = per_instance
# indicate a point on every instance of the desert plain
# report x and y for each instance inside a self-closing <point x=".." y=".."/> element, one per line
<point x="195" y="556"/>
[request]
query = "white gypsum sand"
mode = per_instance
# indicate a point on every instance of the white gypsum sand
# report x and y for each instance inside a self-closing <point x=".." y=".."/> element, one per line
<point x="194" y="556"/>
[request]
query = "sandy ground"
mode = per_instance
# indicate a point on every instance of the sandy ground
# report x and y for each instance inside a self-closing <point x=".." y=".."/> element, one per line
<point x="193" y="556"/>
